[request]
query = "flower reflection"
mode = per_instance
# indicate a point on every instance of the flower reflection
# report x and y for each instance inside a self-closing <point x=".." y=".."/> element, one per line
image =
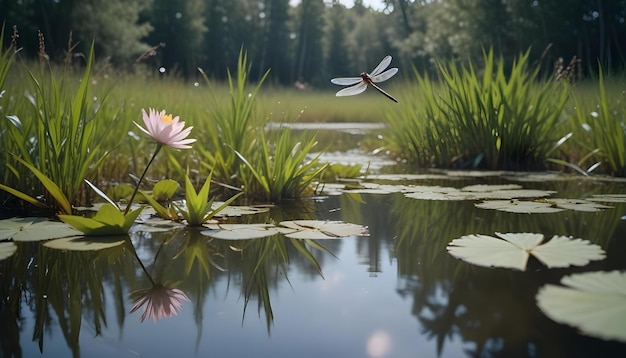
<point x="160" y="301"/>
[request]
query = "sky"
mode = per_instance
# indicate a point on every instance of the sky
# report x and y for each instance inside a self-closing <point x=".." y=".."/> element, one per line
<point x="374" y="4"/>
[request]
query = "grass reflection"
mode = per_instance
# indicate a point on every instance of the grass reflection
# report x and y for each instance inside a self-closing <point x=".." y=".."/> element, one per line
<point x="492" y="310"/>
<point x="69" y="285"/>
<point x="262" y="264"/>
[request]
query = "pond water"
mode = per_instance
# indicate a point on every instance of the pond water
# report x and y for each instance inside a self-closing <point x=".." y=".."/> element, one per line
<point x="394" y="293"/>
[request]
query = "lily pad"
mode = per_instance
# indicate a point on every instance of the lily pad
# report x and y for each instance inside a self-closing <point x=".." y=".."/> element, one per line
<point x="579" y="205"/>
<point x="86" y="243"/>
<point x="593" y="302"/>
<point x="609" y="198"/>
<point x="7" y="249"/>
<point x="516" y="206"/>
<point x="474" y="192"/>
<point x="373" y="188"/>
<point x="512" y="250"/>
<point x="239" y="210"/>
<point x="34" y="229"/>
<point x="543" y="206"/>
<point x="319" y="229"/>
<point x="242" y="231"/>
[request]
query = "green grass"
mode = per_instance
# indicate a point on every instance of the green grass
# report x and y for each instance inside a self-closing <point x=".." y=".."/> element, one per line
<point x="489" y="119"/>
<point x="76" y="123"/>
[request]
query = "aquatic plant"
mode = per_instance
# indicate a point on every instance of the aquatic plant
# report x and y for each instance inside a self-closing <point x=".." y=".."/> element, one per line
<point x="199" y="209"/>
<point x="602" y="128"/>
<point x="231" y="128"/>
<point x="62" y="139"/>
<point x="166" y="131"/>
<point x="493" y="121"/>
<point x="281" y="170"/>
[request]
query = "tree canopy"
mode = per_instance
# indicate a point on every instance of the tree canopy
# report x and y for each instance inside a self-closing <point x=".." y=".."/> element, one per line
<point x="317" y="39"/>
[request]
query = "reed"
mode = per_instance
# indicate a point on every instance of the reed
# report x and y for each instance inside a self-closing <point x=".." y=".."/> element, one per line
<point x="493" y="120"/>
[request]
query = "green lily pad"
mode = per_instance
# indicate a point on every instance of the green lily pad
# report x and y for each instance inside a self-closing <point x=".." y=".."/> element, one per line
<point x="538" y="206"/>
<point x="593" y="302"/>
<point x="242" y="231"/>
<point x="86" y="243"/>
<point x="7" y="249"/>
<point x="34" y="229"/>
<point x="512" y="250"/>
<point x="609" y="198"/>
<point x="579" y="205"/>
<point x="517" y="206"/>
<point x="318" y="229"/>
<point x="474" y="192"/>
<point x="239" y="210"/>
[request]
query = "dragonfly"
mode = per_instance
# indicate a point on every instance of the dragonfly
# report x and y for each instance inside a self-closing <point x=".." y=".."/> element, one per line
<point x="359" y="84"/>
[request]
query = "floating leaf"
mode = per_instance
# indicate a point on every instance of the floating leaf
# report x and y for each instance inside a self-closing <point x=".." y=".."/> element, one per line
<point x="373" y="188"/>
<point x="239" y="210"/>
<point x="593" y="302"/>
<point x="485" y="188"/>
<point x="34" y="229"/>
<point x="513" y="249"/>
<point x="541" y="205"/>
<point x="474" y="192"/>
<point x="609" y="198"/>
<point x="86" y="243"/>
<point x="579" y="205"/>
<point x="242" y="231"/>
<point x="319" y="229"/>
<point x="516" y="206"/>
<point x="7" y="249"/>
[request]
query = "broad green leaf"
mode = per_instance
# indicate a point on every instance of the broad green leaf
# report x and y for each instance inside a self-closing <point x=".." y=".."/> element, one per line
<point x="512" y="250"/>
<point x="593" y="302"/>
<point x="53" y="189"/>
<point x="108" y="221"/>
<point x="164" y="190"/>
<point x="25" y="197"/>
<point x="162" y="211"/>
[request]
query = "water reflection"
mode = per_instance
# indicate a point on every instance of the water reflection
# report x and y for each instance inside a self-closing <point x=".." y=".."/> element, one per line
<point x="158" y="301"/>
<point x="492" y="309"/>
<point x="395" y="293"/>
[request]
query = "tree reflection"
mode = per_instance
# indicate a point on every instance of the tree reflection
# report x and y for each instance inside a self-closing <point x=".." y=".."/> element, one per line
<point x="492" y="311"/>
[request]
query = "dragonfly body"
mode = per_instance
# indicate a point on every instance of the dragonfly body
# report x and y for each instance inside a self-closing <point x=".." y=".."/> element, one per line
<point x="359" y="84"/>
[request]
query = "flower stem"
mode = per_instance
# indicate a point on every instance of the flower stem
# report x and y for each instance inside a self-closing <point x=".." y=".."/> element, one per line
<point x="132" y="197"/>
<point x="141" y="263"/>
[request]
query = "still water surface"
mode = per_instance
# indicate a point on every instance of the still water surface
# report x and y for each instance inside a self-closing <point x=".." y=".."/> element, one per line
<point x="395" y="293"/>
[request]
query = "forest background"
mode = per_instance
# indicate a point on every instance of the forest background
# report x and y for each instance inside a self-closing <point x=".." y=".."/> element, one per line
<point x="315" y="39"/>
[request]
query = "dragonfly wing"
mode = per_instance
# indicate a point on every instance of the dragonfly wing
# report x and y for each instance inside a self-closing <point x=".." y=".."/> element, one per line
<point x="385" y="75"/>
<point x="381" y="66"/>
<point x="354" y="90"/>
<point x="346" y="81"/>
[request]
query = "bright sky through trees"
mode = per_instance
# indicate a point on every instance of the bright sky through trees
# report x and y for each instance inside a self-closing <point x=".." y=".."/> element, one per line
<point x="374" y="4"/>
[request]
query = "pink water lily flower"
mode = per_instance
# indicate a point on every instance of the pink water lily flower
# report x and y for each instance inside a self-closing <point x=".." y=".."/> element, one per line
<point x="165" y="129"/>
<point x="160" y="301"/>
